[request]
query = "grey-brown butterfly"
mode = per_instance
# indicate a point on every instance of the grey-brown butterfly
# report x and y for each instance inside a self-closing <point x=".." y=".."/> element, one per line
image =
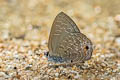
<point x="66" y="43"/>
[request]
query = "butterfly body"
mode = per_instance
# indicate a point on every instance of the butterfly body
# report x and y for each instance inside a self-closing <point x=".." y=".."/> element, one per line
<point x="66" y="43"/>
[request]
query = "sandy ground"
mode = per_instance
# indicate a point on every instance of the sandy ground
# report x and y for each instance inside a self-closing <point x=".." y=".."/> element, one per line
<point x="24" y="33"/>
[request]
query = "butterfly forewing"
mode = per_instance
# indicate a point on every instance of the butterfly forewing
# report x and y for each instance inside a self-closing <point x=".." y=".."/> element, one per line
<point x="62" y="26"/>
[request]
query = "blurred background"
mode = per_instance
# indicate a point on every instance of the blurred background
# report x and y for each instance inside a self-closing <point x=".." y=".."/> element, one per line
<point x="31" y="20"/>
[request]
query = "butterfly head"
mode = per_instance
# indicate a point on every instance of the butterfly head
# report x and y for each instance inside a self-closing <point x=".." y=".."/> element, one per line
<point x="87" y="49"/>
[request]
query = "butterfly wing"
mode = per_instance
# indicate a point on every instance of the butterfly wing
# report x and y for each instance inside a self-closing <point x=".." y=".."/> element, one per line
<point x="70" y="48"/>
<point x="62" y="26"/>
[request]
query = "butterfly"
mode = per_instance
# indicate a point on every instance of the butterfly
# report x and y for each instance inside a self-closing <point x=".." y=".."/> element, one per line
<point x="66" y="43"/>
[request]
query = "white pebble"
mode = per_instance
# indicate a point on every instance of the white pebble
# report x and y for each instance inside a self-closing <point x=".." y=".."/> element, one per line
<point x="56" y="74"/>
<point x="117" y="17"/>
<point x="77" y="76"/>
<point x="2" y="74"/>
<point x="117" y="40"/>
<point x="102" y="56"/>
